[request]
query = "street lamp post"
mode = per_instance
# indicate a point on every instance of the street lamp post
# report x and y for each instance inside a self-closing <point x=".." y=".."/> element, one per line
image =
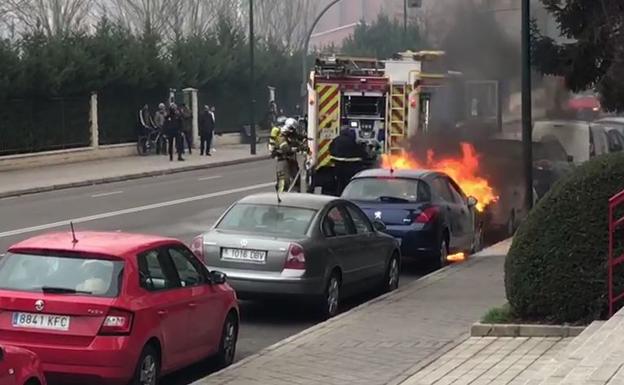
<point x="252" y="81"/>
<point x="405" y="18"/>
<point x="527" y="119"/>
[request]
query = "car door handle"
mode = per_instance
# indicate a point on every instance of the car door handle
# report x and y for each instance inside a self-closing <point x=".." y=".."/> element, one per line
<point x="192" y="305"/>
<point x="162" y="312"/>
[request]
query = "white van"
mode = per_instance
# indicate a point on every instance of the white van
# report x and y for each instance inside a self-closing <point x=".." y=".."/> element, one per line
<point x="581" y="140"/>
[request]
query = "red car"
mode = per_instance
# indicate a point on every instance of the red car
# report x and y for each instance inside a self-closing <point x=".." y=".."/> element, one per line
<point x="114" y="308"/>
<point x="20" y="367"/>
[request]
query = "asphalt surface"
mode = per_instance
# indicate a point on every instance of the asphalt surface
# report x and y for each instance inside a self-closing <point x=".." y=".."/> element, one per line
<point x="181" y="206"/>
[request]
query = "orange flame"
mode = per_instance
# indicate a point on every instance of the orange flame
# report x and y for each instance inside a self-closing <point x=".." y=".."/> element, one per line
<point x="463" y="170"/>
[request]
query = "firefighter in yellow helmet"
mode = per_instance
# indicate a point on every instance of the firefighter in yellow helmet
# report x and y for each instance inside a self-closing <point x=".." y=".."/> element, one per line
<point x="286" y="150"/>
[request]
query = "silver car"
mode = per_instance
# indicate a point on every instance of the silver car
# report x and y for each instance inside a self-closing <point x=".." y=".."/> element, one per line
<point x="319" y="247"/>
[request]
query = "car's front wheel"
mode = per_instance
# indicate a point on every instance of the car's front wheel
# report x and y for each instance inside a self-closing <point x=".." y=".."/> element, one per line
<point x="440" y="258"/>
<point x="147" y="371"/>
<point x="393" y="274"/>
<point x="229" y="336"/>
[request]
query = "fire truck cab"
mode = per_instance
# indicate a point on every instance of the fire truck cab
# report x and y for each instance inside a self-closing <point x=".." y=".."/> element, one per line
<point x="382" y="101"/>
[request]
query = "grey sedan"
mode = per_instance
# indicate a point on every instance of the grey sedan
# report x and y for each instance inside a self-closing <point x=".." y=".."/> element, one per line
<point x="318" y="247"/>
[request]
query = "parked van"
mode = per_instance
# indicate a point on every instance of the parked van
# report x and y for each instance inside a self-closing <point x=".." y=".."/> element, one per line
<point x="581" y="140"/>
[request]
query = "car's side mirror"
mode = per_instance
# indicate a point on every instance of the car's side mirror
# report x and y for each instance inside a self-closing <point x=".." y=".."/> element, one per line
<point x="472" y="201"/>
<point x="217" y="277"/>
<point x="379" y="226"/>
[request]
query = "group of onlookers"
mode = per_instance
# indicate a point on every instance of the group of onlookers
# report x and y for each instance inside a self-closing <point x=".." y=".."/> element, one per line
<point x="175" y="123"/>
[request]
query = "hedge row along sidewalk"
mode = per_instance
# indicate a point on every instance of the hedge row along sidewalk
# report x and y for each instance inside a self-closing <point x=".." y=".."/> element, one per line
<point x="49" y="178"/>
<point x="386" y="340"/>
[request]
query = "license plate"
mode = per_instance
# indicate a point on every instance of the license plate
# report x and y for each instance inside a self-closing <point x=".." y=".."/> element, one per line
<point x="41" y="321"/>
<point x="255" y="256"/>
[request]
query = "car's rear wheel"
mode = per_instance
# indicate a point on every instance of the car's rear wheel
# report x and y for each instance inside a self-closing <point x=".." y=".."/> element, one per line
<point x="330" y="302"/>
<point x="440" y="259"/>
<point x="229" y="336"/>
<point x="393" y="274"/>
<point x="147" y="371"/>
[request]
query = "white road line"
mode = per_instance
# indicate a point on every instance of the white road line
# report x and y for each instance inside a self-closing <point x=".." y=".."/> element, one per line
<point x="209" y="178"/>
<point x="132" y="210"/>
<point x="106" y="194"/>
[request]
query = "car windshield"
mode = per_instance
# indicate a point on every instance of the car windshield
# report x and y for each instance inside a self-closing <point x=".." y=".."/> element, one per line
<point x="549" y="149"/>
<point x="60" y="274"/>
<point x="267" y="219"/>
<point x="388" y="190"/>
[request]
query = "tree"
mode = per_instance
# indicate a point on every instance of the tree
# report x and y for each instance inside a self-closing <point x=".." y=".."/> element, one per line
<point x="382" y="39"/>
<point x="285" y="21"/>
<point x="53" y="17"/>
<point x="595" y="57"/>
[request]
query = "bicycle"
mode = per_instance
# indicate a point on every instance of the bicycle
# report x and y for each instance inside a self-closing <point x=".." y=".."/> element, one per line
<point x="153" y="141"/>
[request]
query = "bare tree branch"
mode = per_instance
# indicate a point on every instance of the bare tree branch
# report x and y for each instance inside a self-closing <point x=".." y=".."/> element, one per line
<point x="54" y="17"/>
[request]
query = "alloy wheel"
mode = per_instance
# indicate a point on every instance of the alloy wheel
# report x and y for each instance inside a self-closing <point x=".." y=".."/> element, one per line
<point x="443" y="254"/>
<point x="229" y="341"/>
<point x="393" y="274"/>
<point x="333" y="296"/>
<point x="148" y="371"/>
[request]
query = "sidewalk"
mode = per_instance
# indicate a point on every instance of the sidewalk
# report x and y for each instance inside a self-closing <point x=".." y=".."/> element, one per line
<point x="384" y="341"/>
<point x="34" y="180"/>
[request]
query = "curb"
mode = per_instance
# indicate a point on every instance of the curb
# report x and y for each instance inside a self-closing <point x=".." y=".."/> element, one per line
<point x="420" y="283"/>
<point x="521" y="330"/>
<point x="139" y="175"/>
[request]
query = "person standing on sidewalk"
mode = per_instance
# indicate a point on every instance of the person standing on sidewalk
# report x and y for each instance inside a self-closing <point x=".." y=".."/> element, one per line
<point x="173" y="130"/>
<point x="214" y="122"/>
<point x="187" y="127"/>
<point x="159" y="122"/>
<point x="206" y="130"/>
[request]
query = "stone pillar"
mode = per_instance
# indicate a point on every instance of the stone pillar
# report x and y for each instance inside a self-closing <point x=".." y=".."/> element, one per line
<point x="195" y="112"/>
<point x="93" y="119"/>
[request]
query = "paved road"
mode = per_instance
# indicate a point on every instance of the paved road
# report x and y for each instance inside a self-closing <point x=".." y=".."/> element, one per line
<point x="181" y="206"/>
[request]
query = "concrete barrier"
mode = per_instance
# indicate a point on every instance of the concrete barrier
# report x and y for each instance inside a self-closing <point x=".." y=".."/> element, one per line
<point x="47" y="158"/>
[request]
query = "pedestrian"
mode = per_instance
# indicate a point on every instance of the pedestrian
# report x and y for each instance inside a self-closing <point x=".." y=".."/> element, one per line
<point x="214" y="120"/>
<point x="348" y="157"/>
<point x="173" y="130"/>
<point x="159" y="123"/>
<point x="187" y="127"/>
<point x="206" y="131"/>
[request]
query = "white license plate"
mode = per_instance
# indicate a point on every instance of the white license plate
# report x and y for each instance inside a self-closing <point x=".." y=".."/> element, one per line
<point x="41" y="321"/>
<point x="244" y="255"/>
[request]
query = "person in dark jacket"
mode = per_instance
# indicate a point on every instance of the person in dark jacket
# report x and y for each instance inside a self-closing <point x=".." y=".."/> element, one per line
<point x="206" y="130"/>
<point x="173" y="130"/>
<point x="348" y="156"/>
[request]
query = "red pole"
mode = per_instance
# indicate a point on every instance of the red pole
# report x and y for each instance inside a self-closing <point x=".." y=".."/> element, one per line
<point x="610" y="261"/>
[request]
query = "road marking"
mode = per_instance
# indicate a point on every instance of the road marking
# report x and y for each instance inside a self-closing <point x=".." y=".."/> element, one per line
<point x="209" y="178"/>
<point x="106" y="194"/>
<point x="132" y="210"/>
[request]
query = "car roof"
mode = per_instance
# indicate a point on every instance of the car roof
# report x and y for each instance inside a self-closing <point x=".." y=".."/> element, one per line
<point x="611" y="119"/>
<point x="410" y="174"/>
<point x="115" y="244"/>
<point x="306" y="201"/>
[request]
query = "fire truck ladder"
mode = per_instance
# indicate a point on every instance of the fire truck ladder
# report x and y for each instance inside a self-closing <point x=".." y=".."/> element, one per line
<point x="348" y="66"/>
<point x="396" y="118"/>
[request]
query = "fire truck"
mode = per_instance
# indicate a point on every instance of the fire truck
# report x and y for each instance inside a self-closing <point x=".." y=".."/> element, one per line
<point x="384" y="102"/>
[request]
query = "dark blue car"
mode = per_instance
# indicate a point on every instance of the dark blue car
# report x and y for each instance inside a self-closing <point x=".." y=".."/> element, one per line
<point x="426" y="211"/>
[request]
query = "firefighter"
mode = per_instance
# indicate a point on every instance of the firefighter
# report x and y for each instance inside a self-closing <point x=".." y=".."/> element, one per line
<point x="286" y="153"/>
<point x="348" y="157"/>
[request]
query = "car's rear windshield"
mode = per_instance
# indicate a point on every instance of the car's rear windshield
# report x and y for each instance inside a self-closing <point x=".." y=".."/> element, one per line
<point x="389" y="190"/>
<point x="60" y="274"/>
<point x="267" y="219"/>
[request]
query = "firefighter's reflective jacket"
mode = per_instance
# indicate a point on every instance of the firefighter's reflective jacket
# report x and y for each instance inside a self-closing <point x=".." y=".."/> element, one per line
<point x="273" y="140"/>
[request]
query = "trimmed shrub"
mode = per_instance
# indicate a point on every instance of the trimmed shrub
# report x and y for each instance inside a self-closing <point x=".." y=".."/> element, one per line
<point x="556" y="269"/>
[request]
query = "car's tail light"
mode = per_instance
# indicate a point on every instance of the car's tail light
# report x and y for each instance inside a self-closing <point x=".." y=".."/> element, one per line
<point x="197" y="247"/>
<point x="427" y="215"/>
<point x="295" y="260"/>
<point x="117" y="322"/>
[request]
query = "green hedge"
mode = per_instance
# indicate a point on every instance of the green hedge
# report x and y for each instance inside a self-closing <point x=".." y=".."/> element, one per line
<point x="556" y="269"/>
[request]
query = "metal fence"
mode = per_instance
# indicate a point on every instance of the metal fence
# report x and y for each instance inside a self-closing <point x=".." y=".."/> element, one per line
<point x="33" y="125"/>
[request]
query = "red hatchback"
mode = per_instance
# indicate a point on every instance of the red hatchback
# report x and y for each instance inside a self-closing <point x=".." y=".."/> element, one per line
<point x="20" y="367"/>
<point x="114" y="308"/>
